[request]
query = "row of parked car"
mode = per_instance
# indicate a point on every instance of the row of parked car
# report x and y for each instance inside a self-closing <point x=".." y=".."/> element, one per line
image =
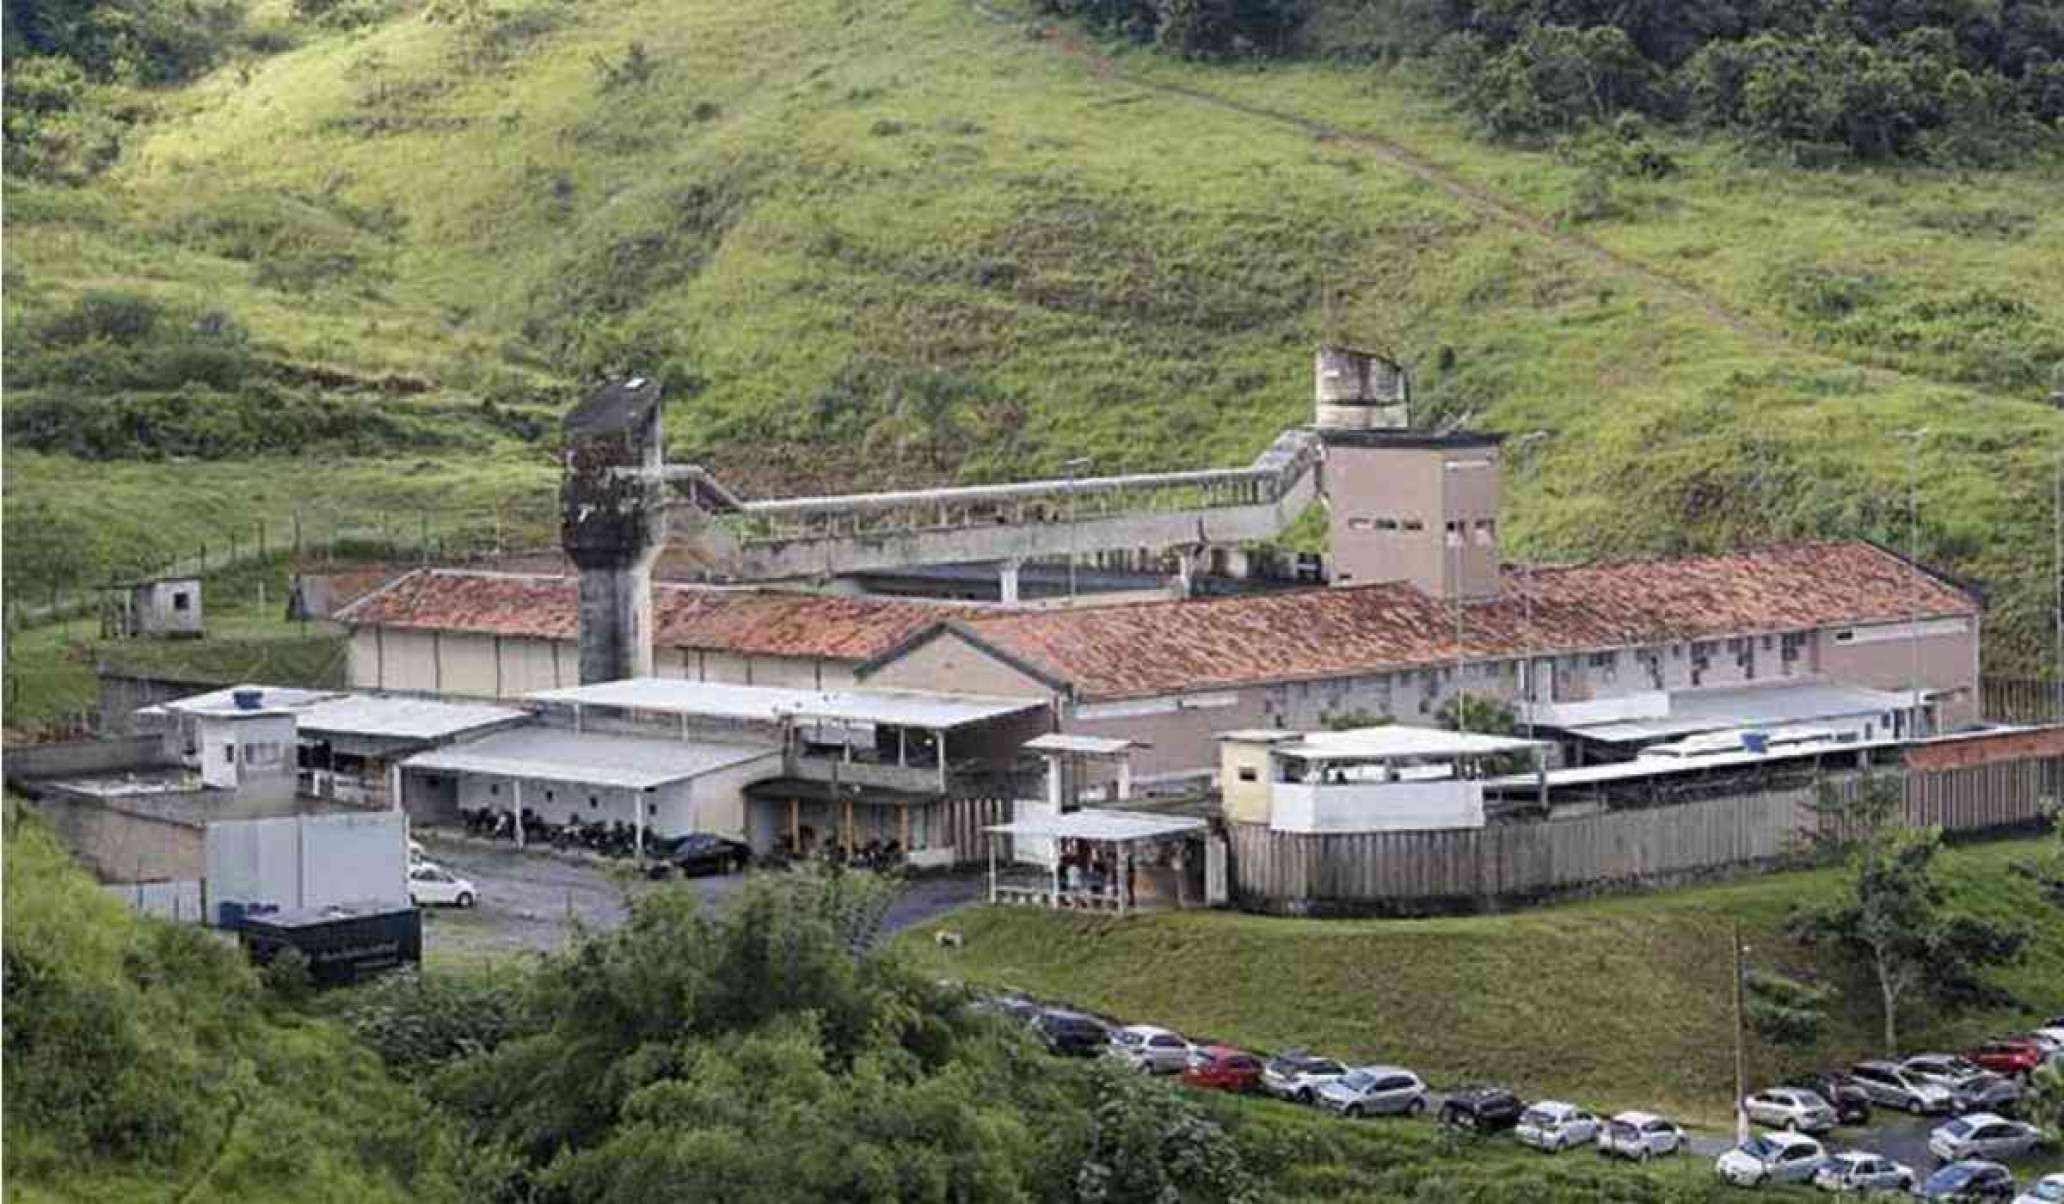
<point x="1974" y="1091"/>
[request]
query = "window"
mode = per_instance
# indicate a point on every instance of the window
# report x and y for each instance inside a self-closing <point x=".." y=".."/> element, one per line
<point x="1843" y="637"/>
<point x="494" y="788"/>
<point x="548" y="796"/>
<point x="1386" y="524"/>
<point x="1413" y="524"/>
<point x="1358" y="524"/>
<point x="593" y="803"/>
<point x="1486" y="531"/>
<point x="1248" y="774"/>
<point x="180" y="601"/>
<point x="229" y="754"/>
<point x="1454" y="533"/>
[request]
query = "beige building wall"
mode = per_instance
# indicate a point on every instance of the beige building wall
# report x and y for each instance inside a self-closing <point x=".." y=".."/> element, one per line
<point x="1881" y="657"/>
<point x="1391" y="510"/>
<point x="1243" y="780"/>
<point x="948" y="662"/>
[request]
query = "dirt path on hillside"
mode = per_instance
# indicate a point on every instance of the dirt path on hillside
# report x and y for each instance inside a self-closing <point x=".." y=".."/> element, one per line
<point x="1071" y="41"/>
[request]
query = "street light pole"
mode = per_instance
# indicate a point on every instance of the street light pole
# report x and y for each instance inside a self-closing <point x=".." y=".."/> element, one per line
<point x="1741" y="1055"/>
<point x="1913" y="579"/>
<point x="1072" y="466"/>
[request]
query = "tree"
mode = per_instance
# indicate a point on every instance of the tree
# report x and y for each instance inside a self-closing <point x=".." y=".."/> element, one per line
<point x="1785" y="1011"/>
<point x="1895" y="920"/>
<point x="1480" y="714"/>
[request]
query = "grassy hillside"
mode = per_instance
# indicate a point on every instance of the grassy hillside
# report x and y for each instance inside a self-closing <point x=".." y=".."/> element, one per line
<point x="1620" y="1003"/>
<point x="929" y="240"/>
<point x="144" y="1062"/>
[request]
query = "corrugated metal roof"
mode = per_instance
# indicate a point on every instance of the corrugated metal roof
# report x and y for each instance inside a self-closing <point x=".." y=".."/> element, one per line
<point x="555" y="755"/>
<point x="393" y="718"/>
<point x="1398" y="740"/>
<point x="750" y="621"/>
<point x="1095" y="746"/>
<point x="1100" y="825"/>
<point x="1158" y="648"/>
<point x="903" y="708"/>
<point x="1776" y="705"/>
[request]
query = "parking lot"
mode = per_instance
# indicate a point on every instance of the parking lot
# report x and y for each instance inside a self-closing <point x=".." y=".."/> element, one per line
<point x="531" y="901"/>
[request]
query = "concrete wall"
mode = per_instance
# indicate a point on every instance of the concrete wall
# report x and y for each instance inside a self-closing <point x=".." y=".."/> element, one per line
<point x="1882" y="657"/>
<point x="1243" y="780"/>
<point x="123" y="846"/>
<point x="490" y="666"/>
<point x="82" y="758"/>
<point x="1376" y="806"/>
<point x="156" y="608"/>
<point x="123" y="694"/>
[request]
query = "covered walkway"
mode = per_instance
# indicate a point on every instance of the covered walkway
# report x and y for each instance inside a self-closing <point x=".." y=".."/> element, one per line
<point x="1115" y="861"/>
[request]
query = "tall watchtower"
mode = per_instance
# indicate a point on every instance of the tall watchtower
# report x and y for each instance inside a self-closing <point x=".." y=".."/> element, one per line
<point x="1404" y="505"/>
<point x="612" y="521"/>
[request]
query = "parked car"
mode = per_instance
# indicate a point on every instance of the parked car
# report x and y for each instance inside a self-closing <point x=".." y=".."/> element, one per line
<point x="430" y="884"/>
<point x="1983" y="1135"/>
<point x="1793" y="1108"/>
<point x="1896" y="1087"/>
<point x="1850" y="1101"/>
<point x="702" y="853"/>
<point x="1373" y="1091"/>
<point x="1771" y="1158"/>
<point x="1072" y="1034"/>
<point x="1222" y="1068"/>
<point x="2047" y="1190"/>
<point x="1640" y="1136"/>
<point x="1552" y="1126"/>
<point x="1859" y="1170"/>
<point x="1967" y="1181"/>
<point x="2009" y="1055"/>
<point x="1481" y="1109"/>
<point x="1971" y="1088"/>
<point x="1150" y="1050"/>
<point x="1297" y="1074"/>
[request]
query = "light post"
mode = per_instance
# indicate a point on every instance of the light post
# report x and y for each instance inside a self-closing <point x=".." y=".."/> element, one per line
<point x="1072" y="467"/>
<point x="1741" y="1056"/>
<point x="1527" y="601"/>
<point x="1913" y="580"/>
<point x="1456" y="531"/>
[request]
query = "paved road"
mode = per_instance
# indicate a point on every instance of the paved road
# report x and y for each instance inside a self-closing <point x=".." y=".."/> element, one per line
<point x="532" y="901"/>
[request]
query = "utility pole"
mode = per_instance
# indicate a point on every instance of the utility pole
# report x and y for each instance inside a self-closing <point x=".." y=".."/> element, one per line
<point x="1913" y="578"/>
<point x="1073" y="466"/>
<point x="1456" y="531"/>
<point x="1741" y="1052"/>
<point x="1527" y="600"/>
<point x="2057" y="583"/>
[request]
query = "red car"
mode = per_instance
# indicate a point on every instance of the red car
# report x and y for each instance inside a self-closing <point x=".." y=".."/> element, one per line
<point x="1223" y="1068"/>
<point x="2009" y="1056"/>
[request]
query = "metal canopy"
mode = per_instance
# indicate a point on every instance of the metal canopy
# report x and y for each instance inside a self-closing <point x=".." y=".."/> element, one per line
<point x="1091" y="746"/>
<point x="1106" y="826"/>
<point x="1398" y="741"/>
<point x="1709" y="710"/>
<point x="899" y="708"/>
<point x="552" y="755"/>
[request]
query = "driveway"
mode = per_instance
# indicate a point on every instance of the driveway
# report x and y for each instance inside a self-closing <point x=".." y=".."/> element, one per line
<point x="531" y="902"/>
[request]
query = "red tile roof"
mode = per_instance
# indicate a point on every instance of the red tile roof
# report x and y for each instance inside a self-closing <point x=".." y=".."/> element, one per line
<point x="760" y="622"/>
<point x="1154" y="648"/>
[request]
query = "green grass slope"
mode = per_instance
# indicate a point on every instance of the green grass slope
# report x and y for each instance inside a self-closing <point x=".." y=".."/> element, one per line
<point x="927" y="240"/>
<point x="1621" y="1003"/>
<point x="144" y="1062"/>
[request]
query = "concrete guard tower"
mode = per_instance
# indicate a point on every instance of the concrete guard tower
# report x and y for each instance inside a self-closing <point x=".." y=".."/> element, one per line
<point x="612" y="521"/>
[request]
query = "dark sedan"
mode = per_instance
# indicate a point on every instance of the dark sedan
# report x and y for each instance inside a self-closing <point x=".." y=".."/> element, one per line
<point x="1482" y="1109"/>
<point x="1960" y="1182"/>
<point x="701" y="853"/>
<point x="1850" y="1102"/>
<point x="1074" y="1034"/>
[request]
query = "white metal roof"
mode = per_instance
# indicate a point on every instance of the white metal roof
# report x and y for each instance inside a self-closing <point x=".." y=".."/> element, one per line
<point x="1665" y="766"/>
<point x="555" y="755"/>
<point x="1100" y="825"/>
<point x="223" y="701"/>
<point x="1095" y="746"/>
<point x="1397" y="740"/>
<point x="1749" y="707"/>
<point x="401" y="718"/>
<point x="902" y="708"/>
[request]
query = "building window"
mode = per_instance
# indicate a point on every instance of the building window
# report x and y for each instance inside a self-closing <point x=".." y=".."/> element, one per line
<point x="1247" y="774"/>
<point x="593" y="802"/>
<point x="1358" y="524"/>
<point x="1454" y="533"/>
<point x="1413" y="524"/>
<point x="229" y="754"/>
<point x="1843" y="637"/>
<point x="1486" y="531"/>
<point x="179" y="601"/>
<point x="1386" y="524"/>
<point x="548" y="796"/>
<point x="494" y="789"/>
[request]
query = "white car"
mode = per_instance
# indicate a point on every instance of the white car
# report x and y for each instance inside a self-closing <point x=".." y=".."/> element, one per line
<point x="1983" y="1135"/>
<point x="1640" y="1136"/>
<point x="1150" y="1050"/>
<point x="1297" y="1075"/>
<point x="1551" y="1125"/>
<point x="1793" y="1108"/>
<point x="1374" y="1091"/>
<point x="430" y="884"/>
<point x="1858" y="1170"/>
<point x="1771" y="1158"/>
<point x="2047" y="1190"/>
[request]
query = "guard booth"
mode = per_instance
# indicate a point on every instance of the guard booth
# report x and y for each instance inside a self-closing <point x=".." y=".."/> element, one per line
<point x="1114" y="861"/>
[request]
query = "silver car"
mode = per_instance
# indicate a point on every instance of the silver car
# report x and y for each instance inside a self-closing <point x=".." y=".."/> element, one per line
<point x="1983" y="1135"/>
<point x="2047" y="1190"/>
<point x="1640" y="1136"/>
<point x="1297" y="1075"/>
<point x="1894" y="1086"/>
<point x="1793" y="1108"/>
<point x="1150" y="1050"/>
<point x="1971" y="1087"/>
<point x="1374" y="1091"/>
<point x="1858" y="1170"/>
<point x="1551" y="1126"/>
<point x="1771" y="1158"/>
